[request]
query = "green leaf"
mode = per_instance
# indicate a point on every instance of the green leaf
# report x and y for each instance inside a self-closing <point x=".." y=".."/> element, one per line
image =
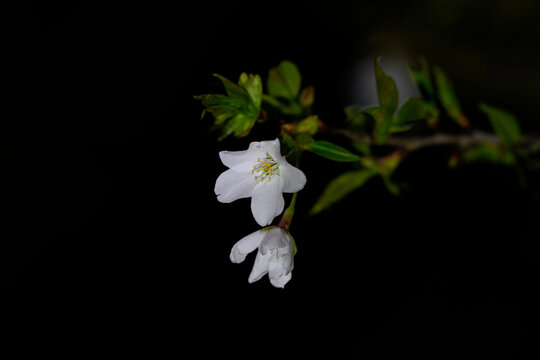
<point x="448" y="98"/>
<point x="332" y="151"/>
<point x="388" y="164"/>
<point x="420" y="73"/>
<point x="284" y="81"/>
<point x="233" y="90"/>
<point x="383" y="125"/>
<point x="307" y="96"/>
<point x="236" y="112"/>
<point x="283" y="106"/>
<point x="303" y="141"/>
<point x="504" y="124"/>
<point x="308" y="125"/>
<point x="386" y="89"/>
<point x="356" y="118"/>
<point x="416" y="109"/>
<point x="372" y="111"/>
<point x="253" y="85"/>
<point x="484" y="152"/>
<point x="295" y="248"/>
<point x="340" y="187"/>
<point x="388" y="102"/>
<point x="362" y="147"/>
<point x="287" y="142"/>
<point x="385" y="167"/>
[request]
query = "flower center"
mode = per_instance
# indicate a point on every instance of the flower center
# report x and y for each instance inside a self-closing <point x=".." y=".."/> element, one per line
<point x="265" y="169"/>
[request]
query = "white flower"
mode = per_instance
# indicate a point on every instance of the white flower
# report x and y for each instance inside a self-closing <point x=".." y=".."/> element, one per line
<point x="260" y="172"/>
<point x="274" y="256"/>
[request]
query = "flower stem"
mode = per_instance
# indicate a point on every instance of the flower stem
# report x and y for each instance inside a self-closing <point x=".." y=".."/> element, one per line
<point x="287" y="217"/>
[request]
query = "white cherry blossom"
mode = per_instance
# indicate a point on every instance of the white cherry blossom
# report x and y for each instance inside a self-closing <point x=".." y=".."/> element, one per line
<point x="275" y="254"/>
<point x="260" y="172"/>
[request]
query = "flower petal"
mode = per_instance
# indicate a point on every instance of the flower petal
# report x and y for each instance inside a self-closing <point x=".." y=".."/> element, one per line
<point x="232" y="185"/>
<point x="275" y="239"/>
<point x="293" y="178"/>
<point x="260" y="266"/>
<point x="271" y="147"/>
<point x="246" y="245"/>
<point x="241" y="161"/>
<point x="278" y="272"/>
<point x="267" y="201"/>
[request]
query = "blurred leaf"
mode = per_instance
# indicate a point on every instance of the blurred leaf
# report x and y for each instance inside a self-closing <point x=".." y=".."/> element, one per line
<point x="392" y="187"/>
<point x="284" y="81"/>
<point x="421" y="75"/>
<point x="340" y="187"/>
<point x="448" y="98"/>
<point x="389" y="163"/>
<point x="287" y="142"/>
<point x="385" y="167"/>
<point x="307" y="96"/>
<point x="308" y="125"/>
<point x="282" y="106"/>
<point x="416" y="109"/>
<point x="304" y="141"/>
<point x="386" y="89"/>
<point x="383" y="124"/>
<point x="400" y="128"/>
<point x="504" y="124"/>
<point x="484" y="152"/>
<point x="362" y="147"/>
<point x="372" y="111"/>
<point x="356" y="118"/>
<point x="332" y="151"/>
<point x="388" y="102"/>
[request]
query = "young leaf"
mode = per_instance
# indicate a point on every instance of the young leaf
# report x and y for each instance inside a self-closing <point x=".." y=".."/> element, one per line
<point x="504" y="124"/>
<point x="340" y="187"/>
<point x="387" y="165"/>
<point x="485" y="152"/>
<point x="233" y="90"/>
<point x="416" y="109"/>
<point x="448" y="98"/>
<point x="386" y="89"/>
<point x="284" y="81"/>
<point x="253" y="85"/>
<point x="236" y="112"/>
<point x="362" y="147"/>
<point x="372" y="111"/>
<point x="308" y="125"/>
<point x="332" y="151"/>
<point x="388" y="102"/>
<point x="307" y="96"/>
<point x="421" y="75"/>
<point x="283" y="106"/>
<point x="355" y="118"/>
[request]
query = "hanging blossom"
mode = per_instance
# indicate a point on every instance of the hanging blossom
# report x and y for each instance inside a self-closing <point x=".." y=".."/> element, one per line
<point x="260" y="172"/>
<point x="274" y="256"/>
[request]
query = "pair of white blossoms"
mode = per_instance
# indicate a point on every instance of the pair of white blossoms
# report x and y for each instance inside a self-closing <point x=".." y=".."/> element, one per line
<point x="260" y="172"/>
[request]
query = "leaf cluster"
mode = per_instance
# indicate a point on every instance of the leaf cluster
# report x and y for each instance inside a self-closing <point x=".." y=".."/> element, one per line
<point x="385" y="126"/>
<point x="236" y="112"/>
<point x="375" y="127"/>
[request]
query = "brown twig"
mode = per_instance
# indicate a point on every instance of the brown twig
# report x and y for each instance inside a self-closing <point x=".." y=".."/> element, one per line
<point x="415" y="142"/>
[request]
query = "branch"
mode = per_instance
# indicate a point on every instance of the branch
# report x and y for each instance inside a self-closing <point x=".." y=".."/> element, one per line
<point x="460" y="140"/>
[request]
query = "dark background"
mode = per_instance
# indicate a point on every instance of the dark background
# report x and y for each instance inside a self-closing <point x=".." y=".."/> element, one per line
<point x="113" y="233"/>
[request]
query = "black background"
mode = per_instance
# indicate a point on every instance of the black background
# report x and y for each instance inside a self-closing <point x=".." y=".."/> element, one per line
<point x="113" y="232"/>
